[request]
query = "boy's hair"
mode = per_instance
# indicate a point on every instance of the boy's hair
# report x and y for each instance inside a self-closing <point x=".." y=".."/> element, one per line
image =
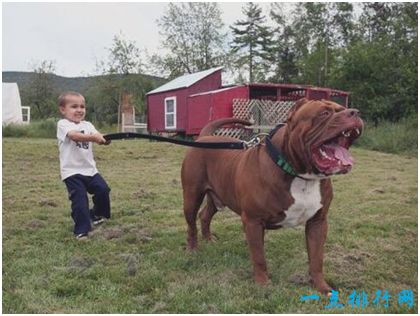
<point x="63" y="97"/>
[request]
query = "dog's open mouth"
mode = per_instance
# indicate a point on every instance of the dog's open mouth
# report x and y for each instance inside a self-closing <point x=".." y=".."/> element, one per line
<point x="333" y="156"/>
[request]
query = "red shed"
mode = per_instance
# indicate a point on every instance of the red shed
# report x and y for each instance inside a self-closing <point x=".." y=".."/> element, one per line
<point x="186" y="104"/>
<point x="167" y="104"/>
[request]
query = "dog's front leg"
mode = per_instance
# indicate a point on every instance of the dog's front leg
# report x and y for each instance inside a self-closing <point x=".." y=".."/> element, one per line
<point x="254" y="232"/>
<point x="316" y="234"/>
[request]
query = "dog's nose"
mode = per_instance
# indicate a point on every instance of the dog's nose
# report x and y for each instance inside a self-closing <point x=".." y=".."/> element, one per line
<point x="353" y="112"/>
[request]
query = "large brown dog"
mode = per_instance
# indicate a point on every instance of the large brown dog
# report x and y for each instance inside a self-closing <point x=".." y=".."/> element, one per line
<point x="314" y="142"/>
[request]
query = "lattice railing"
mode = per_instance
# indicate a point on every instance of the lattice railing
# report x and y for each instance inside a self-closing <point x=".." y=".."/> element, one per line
<point x="236" y="132"/>
<point x="264" y="114"/>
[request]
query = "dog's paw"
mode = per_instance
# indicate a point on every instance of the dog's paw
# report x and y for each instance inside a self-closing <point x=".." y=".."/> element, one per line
<point x="191" y="249"/>
<point x="262" y="280"/>
<point x="322" y="287"/>
<point x="211" y="238"/>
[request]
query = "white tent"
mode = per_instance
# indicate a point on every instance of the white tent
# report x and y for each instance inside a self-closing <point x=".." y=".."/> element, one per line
<point x="11" y="105"/>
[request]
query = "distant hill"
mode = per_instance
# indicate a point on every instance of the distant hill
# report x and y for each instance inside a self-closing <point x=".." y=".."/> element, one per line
<point x="59" y="83"/>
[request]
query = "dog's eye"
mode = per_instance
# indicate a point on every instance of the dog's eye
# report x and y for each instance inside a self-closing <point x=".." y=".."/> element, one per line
<point x="325" y="113"/>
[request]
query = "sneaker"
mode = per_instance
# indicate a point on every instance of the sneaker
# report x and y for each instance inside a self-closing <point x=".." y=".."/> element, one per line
<point x="97" y="220"/>
<point x="82" y="236"/>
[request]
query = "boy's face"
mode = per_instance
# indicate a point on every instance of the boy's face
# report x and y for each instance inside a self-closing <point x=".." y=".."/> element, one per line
<point x="74" y="110"/>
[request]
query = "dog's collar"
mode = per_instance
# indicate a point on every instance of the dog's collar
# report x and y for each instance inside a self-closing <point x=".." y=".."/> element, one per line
<point x="277" y="156"/>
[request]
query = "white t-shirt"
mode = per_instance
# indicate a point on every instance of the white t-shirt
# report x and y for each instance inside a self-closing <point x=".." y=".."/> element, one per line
<point x="75" y="157"/>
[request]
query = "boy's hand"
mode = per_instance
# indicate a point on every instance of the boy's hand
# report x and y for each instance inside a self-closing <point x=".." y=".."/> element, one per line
<point x="99" y="139"/>
<point x="95" y="138"/>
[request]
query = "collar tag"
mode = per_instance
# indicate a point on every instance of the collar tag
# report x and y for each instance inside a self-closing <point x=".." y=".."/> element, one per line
<point x="285" y="166"/>
<point x="277" y="156"/>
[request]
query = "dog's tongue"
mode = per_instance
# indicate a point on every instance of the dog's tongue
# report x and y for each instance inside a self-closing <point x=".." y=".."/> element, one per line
<point x="341" y="154"/>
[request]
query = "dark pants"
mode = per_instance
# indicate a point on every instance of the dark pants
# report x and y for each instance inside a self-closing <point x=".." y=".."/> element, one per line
<point x="78" y="186"/>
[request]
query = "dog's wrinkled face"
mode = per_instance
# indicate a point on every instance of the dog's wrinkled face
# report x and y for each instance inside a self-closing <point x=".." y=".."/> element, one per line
<point x="322" y="132"/>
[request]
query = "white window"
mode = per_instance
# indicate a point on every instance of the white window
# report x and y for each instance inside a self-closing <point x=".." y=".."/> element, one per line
<point x="170" y="113"/>
<point x="26" y="114"/>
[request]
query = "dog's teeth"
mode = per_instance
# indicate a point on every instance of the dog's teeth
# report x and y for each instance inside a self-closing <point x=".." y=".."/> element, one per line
<point x="323" y="153"/>
<point x="357" y="131"/>
<point x="346" y="134"/>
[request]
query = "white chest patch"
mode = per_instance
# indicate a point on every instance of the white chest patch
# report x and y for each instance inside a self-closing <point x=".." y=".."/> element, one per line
<point x="307" y="196"/>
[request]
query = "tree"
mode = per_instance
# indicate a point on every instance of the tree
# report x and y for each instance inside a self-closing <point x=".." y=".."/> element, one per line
<point x="40" y="93"/>
<point x="252" y="42"/>
<point x="283" y="51"/>
<point x="120" y="73"/>
<point x="374" y="55"/>
<point x="375" y="20"/>
<point x="192" y="35"/>
<point x="123" y="58"/>
<point x="320" y="28"/>
<point x="344" y="23"/>
<point x="380" y="67"/>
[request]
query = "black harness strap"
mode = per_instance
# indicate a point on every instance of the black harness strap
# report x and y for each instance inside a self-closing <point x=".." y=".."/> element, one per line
<point x="209" y="145"/>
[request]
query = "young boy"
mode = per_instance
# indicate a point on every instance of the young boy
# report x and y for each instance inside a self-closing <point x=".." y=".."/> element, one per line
<point x="77" y="166"/>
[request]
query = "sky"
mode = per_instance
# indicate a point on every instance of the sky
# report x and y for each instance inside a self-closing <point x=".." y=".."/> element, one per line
<point x="76" y="35"/>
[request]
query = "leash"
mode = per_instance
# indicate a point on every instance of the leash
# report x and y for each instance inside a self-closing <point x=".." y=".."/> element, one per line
<point x="209" y="145"/>
<point x="275" y="154"/>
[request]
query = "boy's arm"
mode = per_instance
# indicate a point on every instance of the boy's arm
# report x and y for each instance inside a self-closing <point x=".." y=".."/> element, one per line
<point x="80" y="137"/>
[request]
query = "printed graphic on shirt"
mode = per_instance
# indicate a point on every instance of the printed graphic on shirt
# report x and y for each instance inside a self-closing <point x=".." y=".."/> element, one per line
<point x="83" y="145"/>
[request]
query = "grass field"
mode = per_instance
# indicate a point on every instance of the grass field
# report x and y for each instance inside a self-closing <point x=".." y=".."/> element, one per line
<point x="137" y="263"/>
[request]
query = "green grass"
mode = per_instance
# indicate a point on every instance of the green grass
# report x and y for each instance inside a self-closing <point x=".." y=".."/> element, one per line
<point x="36" y="129"/>
<point x="43" y="129"/>
<point x="394" y="138"/>
<point x="137" y="263"/>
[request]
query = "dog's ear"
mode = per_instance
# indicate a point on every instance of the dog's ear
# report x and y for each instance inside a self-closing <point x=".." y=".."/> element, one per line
<point x="296" y="107"/>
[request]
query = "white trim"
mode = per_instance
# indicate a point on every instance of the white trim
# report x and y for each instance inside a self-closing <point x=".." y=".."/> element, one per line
<point x="169" y="113"/>
<point x="214" y="91"/>
<point x="28" y="114"/>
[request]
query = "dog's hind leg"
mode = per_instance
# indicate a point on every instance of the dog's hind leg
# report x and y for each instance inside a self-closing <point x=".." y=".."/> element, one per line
<point x="192" y="202"/>
<point x="206" y="216"/>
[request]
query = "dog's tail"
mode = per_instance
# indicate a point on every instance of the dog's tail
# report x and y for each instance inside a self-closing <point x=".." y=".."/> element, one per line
<point x="211" y="127"/>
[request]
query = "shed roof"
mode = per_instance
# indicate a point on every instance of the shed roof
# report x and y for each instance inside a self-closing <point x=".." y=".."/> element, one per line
<point x="214" y="91"/>
<point x="295" y="86"/>
<point x="185" y="81"/>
